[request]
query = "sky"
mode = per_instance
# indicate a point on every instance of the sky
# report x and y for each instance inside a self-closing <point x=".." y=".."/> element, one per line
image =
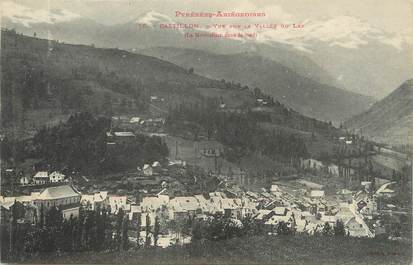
<point x="390" y="15"/>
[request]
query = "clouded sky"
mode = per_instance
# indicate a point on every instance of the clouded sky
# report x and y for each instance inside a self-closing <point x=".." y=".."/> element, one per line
<point x="390" y="15"/>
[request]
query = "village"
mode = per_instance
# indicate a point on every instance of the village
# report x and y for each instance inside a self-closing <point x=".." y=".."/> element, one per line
<point x="300" y="205"/>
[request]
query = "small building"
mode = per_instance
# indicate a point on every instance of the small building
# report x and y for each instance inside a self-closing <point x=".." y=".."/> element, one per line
<point x="317" y="194"/>
<point x="25" y="180"/>
<point x="63" y="197"/>
<point x="156" y="164"/>
<point x="94" y="201"/>
<point x="135" y="120"/>
<point x="355" y="228"/>
<point x="147" y="170"/>
<point x="345" y="195"/>
<point x="56" y="177"/>
<point x="115" y="202"/>
<point x="41" y="177"/>
<point x="274" y="189"/>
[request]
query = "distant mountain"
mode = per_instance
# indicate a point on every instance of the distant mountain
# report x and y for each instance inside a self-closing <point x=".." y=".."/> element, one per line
<point x="73" y="28"/>
<point x="45" y="81"/>
<point x="342" y="51"/>
<point x="391" y="119"/>
<point x="298" y="92"/>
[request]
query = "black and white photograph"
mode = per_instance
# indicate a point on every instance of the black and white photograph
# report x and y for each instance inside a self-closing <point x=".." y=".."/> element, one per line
<point x="206" y="132"/>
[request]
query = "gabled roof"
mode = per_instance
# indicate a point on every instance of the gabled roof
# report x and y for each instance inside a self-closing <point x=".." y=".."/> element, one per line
<point x="58" y="192"/>
<point x="280" y="210"/>
<point x="146" y="166"/>
<point x="189" y="203"/>
<point x="124" y="134"/>
<point x="56" y="174"/>
<point x="317" y="193"/>
<point x="41" y="174"/>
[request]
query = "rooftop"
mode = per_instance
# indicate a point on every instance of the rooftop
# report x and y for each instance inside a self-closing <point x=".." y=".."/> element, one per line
<point x="58" y="192"/>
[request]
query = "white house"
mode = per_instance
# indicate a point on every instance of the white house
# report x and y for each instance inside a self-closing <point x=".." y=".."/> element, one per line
<point x="24" y="181"/>
<point x="147" y="170"/>
<point x="65" y="197"/>
<point x="135" y="120"/>
<point x="41" y="177"/>
<point x="317" y="194"/>
<point x="156" y="164"/>
<point x="117" y="202"/>
<point x="56" y="177"/>
<point x="94" y="201"/>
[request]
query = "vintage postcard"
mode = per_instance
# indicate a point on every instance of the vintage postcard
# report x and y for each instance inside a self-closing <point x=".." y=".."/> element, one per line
<point x="206" y="131"/>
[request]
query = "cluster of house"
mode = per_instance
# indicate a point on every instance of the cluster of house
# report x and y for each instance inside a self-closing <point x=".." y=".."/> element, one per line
<point x="305" y="210"/>
<point x="306" y="214"/>
<point x="43" y="177"/>
<point x="168" y="208"/>
<point x="64" y="197"/>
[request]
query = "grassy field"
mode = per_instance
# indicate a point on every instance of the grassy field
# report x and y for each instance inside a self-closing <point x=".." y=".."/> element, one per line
<point x="254" y="250"/>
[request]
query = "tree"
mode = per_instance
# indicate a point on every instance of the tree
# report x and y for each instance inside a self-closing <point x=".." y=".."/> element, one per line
<point x="147" y="231"/>
<point x="327" y="231"/>
<point x="339" y="229"/>
<point x="283" y="229"/>
<point x="138" y="231"/>
<point x="125" y="238"/>
<point x="156" y="231"/>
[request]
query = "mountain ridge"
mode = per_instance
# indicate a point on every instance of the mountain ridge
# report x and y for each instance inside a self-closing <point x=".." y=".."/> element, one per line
<point x="300" y="93"/>
<point x="389" y="120"/>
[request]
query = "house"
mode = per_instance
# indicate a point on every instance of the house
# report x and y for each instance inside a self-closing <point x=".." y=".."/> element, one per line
<point x="135" y="212"/>
<point x="135" y="120"/>
<point x="156" y="164"/>
<point x="151" y="204"/>
<point x="312" y="164"/>
<point x="147" y="170"/>
<point x="94" y="201"/>
<point x="115" y="203"/>
<point x="231" y="207"/>
<point x="183" y="207"/>
<point x="274" y="189"/>
<point x="317" y="194"/>
<point x="63" y="197"/>
<point x="384" y="190"/>
<point x="41" y="177"/>
<point x="333" y="170"/>
<point x="331" y="219"/>
<point x="355" y="228"/>
<point x="25" y="180"/>
<point x="345" y="195"/>
<point x="279" y="214"/>
<point x="56" y="177"/>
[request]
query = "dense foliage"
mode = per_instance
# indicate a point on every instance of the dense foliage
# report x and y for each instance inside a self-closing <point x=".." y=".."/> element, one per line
<point x="80" y="144"/>
<point x="239" y="132"/>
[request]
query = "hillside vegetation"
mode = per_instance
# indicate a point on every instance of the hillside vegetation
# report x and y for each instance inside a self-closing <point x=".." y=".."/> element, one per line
<point x="257" y="250"/>
<point x="391" y="119"/>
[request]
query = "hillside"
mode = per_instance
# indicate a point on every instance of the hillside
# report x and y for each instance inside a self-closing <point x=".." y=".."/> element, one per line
<point x="40" y="74"/>
<point x="296" y="91"/>
<point x="391" y="119"/>
<point x="292" y="250"/>
<point x="44" y="82"/>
